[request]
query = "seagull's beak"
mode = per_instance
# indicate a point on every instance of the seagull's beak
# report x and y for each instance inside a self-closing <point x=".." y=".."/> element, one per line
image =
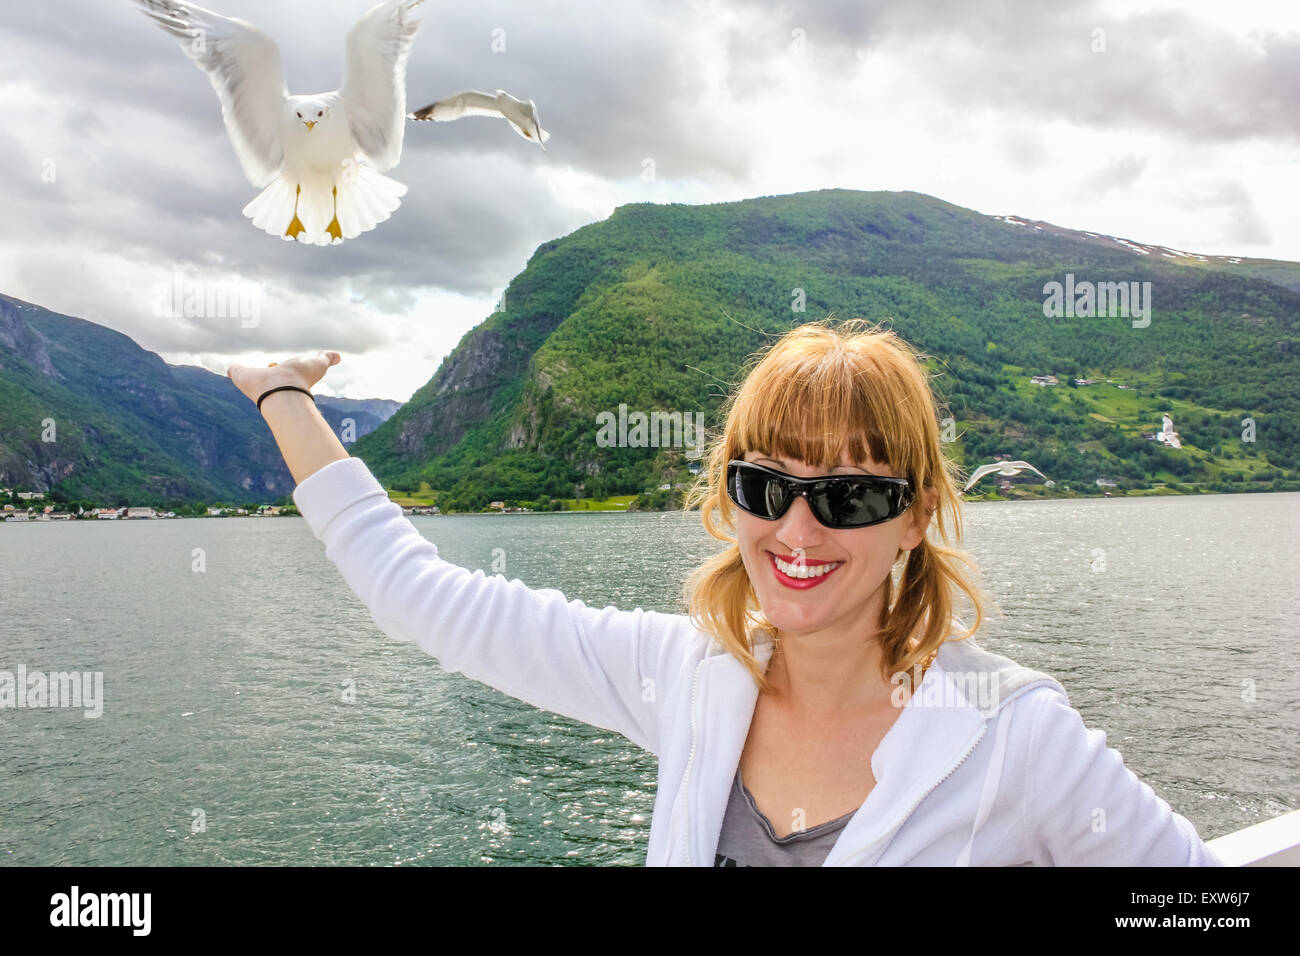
<point x="309" y="125"/>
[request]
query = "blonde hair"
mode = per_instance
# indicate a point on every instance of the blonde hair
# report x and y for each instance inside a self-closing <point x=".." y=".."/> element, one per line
<point x="817" y="388"/>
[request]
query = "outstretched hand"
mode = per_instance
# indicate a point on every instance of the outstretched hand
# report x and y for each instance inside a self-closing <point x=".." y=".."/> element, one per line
<point x="301" y="370"/>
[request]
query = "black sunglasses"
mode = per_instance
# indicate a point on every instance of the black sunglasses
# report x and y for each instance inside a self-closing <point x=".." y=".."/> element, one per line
<point x="837" y="501"/>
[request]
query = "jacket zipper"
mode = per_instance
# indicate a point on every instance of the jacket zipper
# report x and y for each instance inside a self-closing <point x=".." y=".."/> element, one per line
<point x="970" y="750"/>
<point x="685" y="791"/>
<point x="951" y="770"/>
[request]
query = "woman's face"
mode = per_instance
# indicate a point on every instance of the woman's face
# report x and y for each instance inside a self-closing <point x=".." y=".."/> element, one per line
<point x="857" y="559"/>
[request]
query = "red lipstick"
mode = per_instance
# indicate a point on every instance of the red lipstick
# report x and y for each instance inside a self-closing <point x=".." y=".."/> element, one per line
<point x="801" y="584"/>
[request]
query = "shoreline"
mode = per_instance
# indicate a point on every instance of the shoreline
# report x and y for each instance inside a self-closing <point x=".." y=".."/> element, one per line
<point x="12" y="518"/>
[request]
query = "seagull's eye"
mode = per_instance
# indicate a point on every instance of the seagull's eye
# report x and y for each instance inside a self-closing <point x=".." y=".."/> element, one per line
<point x="299" y="116"/>
<point x="320" y="112"/>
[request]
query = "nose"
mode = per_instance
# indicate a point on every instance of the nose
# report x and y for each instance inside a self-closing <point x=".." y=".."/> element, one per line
<point x="799" y="527"/>
<point x="310" y="124"/>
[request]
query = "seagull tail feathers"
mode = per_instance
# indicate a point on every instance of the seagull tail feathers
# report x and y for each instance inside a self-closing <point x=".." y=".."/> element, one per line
<point x="325" y="210"/>
<point x="365" y="199"/>
<point x="274" y="208"/>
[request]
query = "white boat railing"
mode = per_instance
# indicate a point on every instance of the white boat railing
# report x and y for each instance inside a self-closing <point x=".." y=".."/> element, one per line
<point x="1274" y="842"/>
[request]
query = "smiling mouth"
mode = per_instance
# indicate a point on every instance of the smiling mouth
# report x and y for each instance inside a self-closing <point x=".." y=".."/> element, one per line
<point x="804" y="574"/>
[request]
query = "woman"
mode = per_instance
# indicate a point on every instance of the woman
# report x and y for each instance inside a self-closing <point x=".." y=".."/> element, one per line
<point x="802" y="713"/>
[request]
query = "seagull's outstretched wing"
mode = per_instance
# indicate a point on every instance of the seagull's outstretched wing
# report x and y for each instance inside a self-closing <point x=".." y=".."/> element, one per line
<point x="466" y="103"/>
<point x="1023" y="465"/>
<point x="243" y="66"/>
<point x="374" y="79"/>
<point x="520" y="114"/>
<point x="980" y="472"/>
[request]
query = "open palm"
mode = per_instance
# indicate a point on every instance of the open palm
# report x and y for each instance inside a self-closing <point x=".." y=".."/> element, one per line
<point x="301" y="370"/>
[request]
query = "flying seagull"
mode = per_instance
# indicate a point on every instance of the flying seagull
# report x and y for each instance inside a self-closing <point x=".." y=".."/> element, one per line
<point x="520" y="114"/>
<point x="1005" y="468"/>
<point x="318" y="159"/>
<point x="1167" y="435"/>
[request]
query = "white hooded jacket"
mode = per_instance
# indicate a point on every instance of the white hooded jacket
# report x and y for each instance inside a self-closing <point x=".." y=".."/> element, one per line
<point x="987" y="765"/>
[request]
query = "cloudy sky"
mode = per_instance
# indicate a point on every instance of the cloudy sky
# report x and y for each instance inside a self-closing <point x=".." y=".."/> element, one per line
<point x="1166" y="122"/>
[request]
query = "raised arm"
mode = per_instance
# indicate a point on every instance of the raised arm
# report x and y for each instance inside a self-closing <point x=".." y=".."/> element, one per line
<point x="609" y="668"/>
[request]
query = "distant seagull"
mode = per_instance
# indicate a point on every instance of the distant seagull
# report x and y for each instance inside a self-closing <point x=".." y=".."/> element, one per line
<point x="518" y="113"/>
<point x="1005" y="468"/>
<point x="1167" y="433"/>
<point x="318" y="159"/>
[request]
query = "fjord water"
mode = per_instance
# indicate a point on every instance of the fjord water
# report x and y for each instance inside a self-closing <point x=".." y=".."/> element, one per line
<point x="254" y="714"/>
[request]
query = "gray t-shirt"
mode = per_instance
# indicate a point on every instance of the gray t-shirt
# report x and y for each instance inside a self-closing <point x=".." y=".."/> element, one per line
<point x="748" y="838"/>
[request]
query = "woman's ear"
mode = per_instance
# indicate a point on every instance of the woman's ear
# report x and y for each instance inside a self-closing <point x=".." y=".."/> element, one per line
<point x="921" y="514"/>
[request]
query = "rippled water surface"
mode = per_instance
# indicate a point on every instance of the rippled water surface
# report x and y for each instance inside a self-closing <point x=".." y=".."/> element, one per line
<point x="228" y="736"/>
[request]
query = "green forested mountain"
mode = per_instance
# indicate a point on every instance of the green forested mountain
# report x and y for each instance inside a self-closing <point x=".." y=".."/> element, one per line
<point x="659" y="306"/>
<point x="87" y="413"/>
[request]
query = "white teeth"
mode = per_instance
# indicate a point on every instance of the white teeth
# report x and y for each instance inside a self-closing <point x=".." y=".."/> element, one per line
<point x="804" y="571"/>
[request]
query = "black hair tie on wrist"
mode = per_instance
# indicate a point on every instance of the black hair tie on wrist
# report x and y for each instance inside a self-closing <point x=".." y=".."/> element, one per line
<point x="284" y="388"/>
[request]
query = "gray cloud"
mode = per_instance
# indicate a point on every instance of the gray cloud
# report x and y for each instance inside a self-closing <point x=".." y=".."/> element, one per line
<point x="1119" y="173"/>
<point x="146" y="172"/>
<point x="1164" y="70"/>
<point x="158" y="173"/>
<point x="1227" y="204"/>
